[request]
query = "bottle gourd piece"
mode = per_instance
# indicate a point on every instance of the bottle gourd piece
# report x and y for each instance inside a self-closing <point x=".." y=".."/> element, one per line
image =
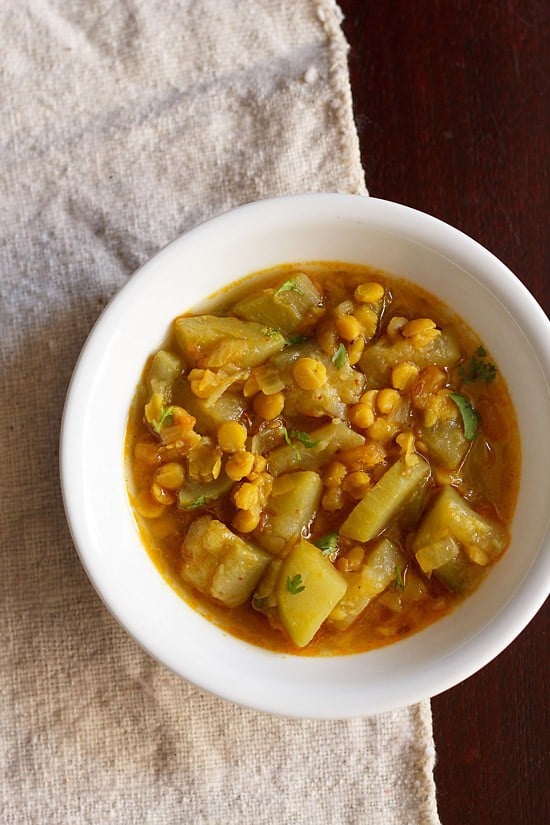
<point x="383" y="501"/>
<point x="308" y="588"/>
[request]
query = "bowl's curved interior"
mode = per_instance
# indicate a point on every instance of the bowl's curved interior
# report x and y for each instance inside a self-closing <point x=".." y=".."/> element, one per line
<point x="305" y="228"/>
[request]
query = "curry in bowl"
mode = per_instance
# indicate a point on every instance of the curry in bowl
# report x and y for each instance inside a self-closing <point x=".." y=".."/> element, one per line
<point x="325" y="463"/>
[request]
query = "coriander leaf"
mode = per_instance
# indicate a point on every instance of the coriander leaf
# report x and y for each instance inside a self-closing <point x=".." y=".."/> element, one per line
<point x="259" y="603"/>
<point x="294" y="585"/>
<point x="199" y="502"/>
<point x="478" y="369"/>
<point x="166" y="416"/>
<point x="340" y="357"/>
<point x="303" y="438"/>
<point x="398" y="581"/>
<point x="327" y="544"/>
<point x="470" y="416"/>
<point x="296" y="339"/>
<point x="288" y="286"/>
<point x="289" y="442"/>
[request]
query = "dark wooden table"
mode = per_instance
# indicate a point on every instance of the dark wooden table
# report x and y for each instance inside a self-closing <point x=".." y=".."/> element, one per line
<point x="451" y="105"/>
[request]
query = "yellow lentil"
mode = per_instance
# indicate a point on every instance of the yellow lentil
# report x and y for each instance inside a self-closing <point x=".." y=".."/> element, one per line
<point x="246" y="520"/>
<point x="154" y="408"/>
<point x="170" y="476"/>
<point x="355" y="351"/>
<point x="368" y="319"/>
<point x="402" y="375"/>
<point x="361" y="416"/>
<point x="147" y="506"/>
<point x="387" y="400"/>
<point x="239" y="465"/>
<point x="369" y="398"/>
<point x="232" y="436"/>
<point x="417" y="325"/>
<point x="356" y="483"/>
<point x="381" y="430"/>
<point x="332" y="500"/>
<point x="161" y="495"/>
<point x="309" y="373"/>
<point x="334" y="474"/>
<point x="269" y="406"/>
<point x="258" y="466"/>
<point x="246" y="496"/>
<point x="369" y="293"/>
<point x="348" y="327"/>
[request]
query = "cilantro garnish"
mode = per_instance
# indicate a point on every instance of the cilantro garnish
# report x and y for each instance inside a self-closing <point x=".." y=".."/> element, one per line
<point x="296" y="339"/>
<point x="289" y="442"/>
<point x="166" y="416"/>
<point x="288" y="286"/>
<point x="470" y="416"/>
<point x="298" y="435"/>
<point x="199" y="502"/>
<point x="340" y="357"/>
<point x="303" y="438"/>
<point x="398" y="581"/>
<point x="478" y="369"/>
<point x="327" y="544"/>
<point x="294" y="585"/>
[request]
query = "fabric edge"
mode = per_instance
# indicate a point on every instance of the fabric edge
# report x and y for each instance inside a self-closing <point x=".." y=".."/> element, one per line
<point x="331" y="16"/>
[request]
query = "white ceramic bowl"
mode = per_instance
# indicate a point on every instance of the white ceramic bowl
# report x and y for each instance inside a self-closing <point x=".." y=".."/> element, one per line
<point x="306" y="227"/>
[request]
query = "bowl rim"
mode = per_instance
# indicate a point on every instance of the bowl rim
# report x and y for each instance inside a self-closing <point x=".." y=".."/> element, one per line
<point x="463" y="250"/>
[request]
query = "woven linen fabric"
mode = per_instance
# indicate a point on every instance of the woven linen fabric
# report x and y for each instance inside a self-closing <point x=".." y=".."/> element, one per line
<point x="123" y="124"/>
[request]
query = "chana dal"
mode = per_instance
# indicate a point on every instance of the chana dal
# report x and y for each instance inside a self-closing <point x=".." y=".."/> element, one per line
<point x="325" y="463"/>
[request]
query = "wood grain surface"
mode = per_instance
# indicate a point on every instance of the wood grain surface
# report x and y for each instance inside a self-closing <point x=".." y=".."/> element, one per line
<point x="451" y="105"/>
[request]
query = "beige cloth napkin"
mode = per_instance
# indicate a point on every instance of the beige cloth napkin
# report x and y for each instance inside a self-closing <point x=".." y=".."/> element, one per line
<point x="123" y="124"/>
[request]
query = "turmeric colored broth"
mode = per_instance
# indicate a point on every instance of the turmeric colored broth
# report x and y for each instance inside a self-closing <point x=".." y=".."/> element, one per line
<point x="486" y="478"/>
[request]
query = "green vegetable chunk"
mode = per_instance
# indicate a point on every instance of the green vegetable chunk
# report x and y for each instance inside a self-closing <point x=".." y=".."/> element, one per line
<point x="210" y="341"/>
<point x="410" y="512"/>
<point x="283" y="308"/>
<point x="328" y="440"/>
<point x="221" y="564"/>
<point x="202" y="492"/>
<point x="480" y="538"/>
<point x="165" y="368"/>
<point x="343" y="386"/>
<point x="384" y="566"/>
<point x="383" y="501"/>
<point x="432" y="556"/>
<point x="446" y="442"/>
<point x="290" y="509"/>
<point x="228" y="407"/>
<point x="459" y="575"/>
<point x="265" y="596"/>
<point x="315" y="589"/>
<point x="379" y="357"/>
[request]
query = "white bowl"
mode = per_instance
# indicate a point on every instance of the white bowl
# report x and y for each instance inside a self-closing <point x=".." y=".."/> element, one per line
<point x="321" y="227"/>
